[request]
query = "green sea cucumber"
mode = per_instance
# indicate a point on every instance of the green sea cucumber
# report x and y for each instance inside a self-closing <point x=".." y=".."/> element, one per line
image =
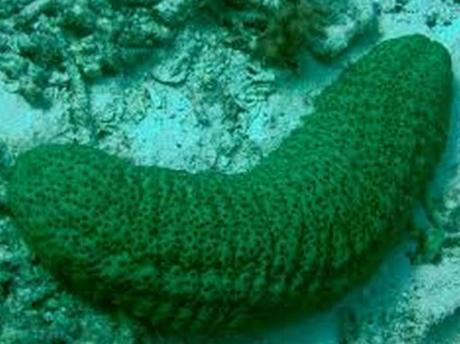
<point x="208" y="251"/>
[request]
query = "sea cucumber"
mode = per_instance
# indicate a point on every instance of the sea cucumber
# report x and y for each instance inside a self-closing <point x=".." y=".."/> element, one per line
<point x="210" y="252"/>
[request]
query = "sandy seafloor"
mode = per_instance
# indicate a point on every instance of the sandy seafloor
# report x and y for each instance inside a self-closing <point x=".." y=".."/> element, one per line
<point x="205" y="106"/>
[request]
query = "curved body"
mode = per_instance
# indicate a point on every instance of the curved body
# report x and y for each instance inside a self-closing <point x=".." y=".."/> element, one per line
<point x="208" y="251"/>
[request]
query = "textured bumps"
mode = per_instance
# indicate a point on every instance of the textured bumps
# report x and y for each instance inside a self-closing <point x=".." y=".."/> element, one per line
<point x="208" y="251"/>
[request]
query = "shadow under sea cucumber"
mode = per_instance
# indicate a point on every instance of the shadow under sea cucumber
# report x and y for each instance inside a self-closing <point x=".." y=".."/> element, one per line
<point x="210" y="252"/>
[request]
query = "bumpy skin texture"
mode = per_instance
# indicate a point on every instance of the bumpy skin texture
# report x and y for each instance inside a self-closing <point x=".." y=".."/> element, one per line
<point x="209" y="251"/>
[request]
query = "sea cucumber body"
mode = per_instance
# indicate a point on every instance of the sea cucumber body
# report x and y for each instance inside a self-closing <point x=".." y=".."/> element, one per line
<point x="209" y="251"/>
